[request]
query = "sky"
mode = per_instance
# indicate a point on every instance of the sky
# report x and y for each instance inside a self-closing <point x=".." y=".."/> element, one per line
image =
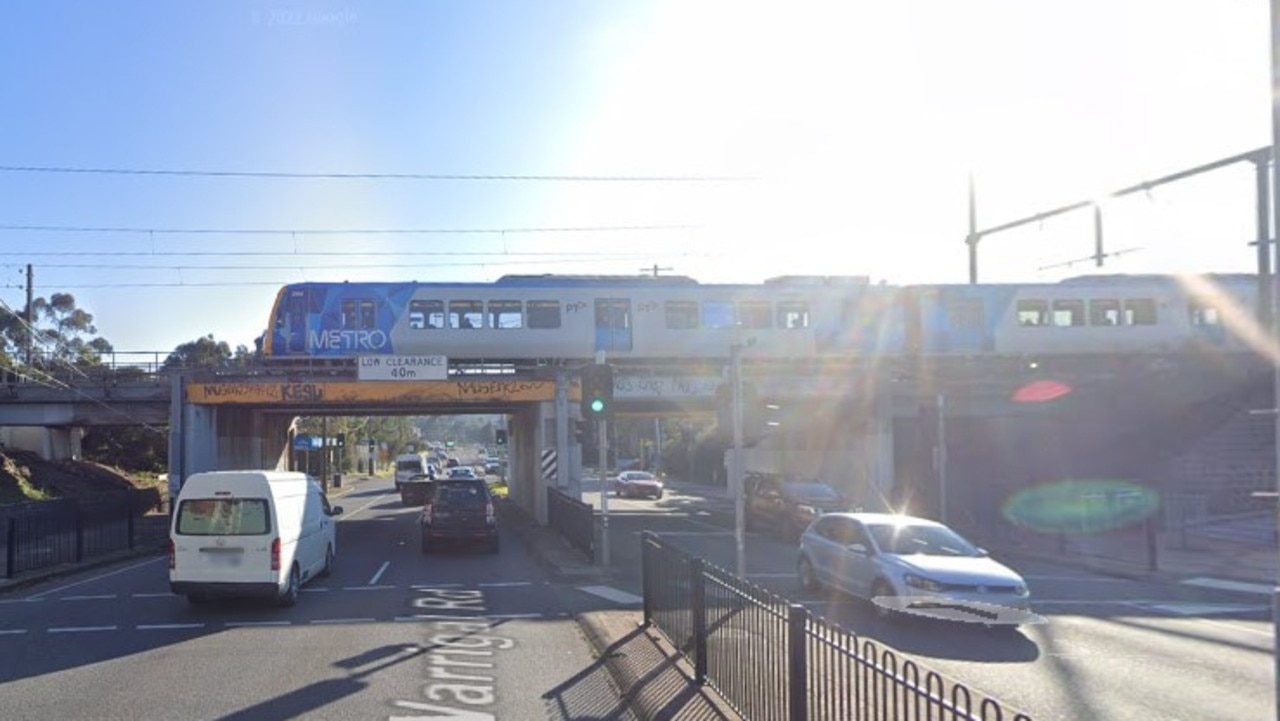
<point x="727" y="141"/>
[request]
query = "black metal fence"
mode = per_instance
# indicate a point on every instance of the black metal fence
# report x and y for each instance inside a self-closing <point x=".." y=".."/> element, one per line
<point x="771" y="659"/>
<point x="573" y="519"/>
<point x="39" y="534"/>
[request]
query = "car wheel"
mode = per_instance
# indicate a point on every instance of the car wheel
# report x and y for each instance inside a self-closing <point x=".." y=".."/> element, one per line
<point x="290" y="595"/>
<point x="881" y="589"/>
<point x="328" y="562"/>
<point x="808" y="579"/>
<point x="657" y="496"/>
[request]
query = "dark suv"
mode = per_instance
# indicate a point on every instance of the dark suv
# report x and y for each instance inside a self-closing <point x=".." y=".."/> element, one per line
<point x="786" y="506"/>
<point x="459" y="509"/>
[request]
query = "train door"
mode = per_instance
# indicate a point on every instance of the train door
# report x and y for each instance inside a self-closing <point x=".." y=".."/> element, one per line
<point x="295" y="320"/>
<point x="613" y="324"/>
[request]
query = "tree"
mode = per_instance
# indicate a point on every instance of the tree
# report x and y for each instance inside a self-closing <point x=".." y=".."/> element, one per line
<point x="209" y="354"/>
<point x="61" y="334"/>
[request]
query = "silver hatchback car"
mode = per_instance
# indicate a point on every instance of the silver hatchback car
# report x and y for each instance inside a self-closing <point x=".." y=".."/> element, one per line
<point x="912" y="565"/>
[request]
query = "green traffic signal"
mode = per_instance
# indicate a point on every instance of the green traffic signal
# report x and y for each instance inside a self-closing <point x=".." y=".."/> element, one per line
<point x="597" y="405"/>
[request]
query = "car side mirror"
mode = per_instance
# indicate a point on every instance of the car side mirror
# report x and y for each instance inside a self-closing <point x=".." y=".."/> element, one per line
<point x="859" y="548"/>
<point x="983" y="552"/>
<point x="335" y="511"/>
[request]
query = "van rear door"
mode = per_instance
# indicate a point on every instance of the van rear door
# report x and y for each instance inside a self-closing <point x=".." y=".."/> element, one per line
<point x="223" y="538"/>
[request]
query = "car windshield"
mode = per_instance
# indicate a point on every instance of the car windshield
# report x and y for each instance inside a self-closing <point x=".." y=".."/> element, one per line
<point x="811" y="491"/>
<point x="637" y="476"/>
<point x="907" y="539"/>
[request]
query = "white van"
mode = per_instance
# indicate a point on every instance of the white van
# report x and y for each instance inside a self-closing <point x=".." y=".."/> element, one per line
<point x="250" y="533"/>
<point x="409" y="465"/>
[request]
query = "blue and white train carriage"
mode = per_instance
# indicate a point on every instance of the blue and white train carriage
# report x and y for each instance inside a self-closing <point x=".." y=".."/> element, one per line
<point x="573" y="317"/>
<point x="788" y="318"/>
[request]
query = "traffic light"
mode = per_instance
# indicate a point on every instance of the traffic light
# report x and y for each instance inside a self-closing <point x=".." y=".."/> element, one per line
<point x="342" y="440"/>
<point x="500" y="437"/>
<point x="597" y="391"/>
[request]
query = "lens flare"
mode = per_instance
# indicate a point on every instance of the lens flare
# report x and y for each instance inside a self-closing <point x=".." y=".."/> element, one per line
<point x="1081" y="506"/>
<point x="1041" y="392"/>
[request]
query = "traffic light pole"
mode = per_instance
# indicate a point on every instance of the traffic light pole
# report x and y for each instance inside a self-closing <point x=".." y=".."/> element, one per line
<point x="602" y="443"/>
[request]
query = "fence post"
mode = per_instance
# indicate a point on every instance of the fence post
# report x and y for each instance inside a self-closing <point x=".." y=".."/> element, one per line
<point x="698" y="606"/>
<point x="646" y="554"/>
<point x="10" y="552"/>
<point x="79" y="523"/>
<point x="797" y="663"/>
<point x="1150" y="532"/>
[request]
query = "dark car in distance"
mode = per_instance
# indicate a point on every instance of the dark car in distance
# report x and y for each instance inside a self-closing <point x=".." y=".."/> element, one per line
<point x="459" y="510"/>
<point x="786" y="506"/>
<point x="415" y="490"/>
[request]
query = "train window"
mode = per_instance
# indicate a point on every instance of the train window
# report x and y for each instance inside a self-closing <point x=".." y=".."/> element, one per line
<point x="544" y="314"/>
<point x="755" y="314"/>
<point x="717" y="314"/>
<point x="1140" y="311"/>
<point x="682" y="314"/>
<point x="1033" y="312"/>
<point x="426" y="314"/>
<point x="466" y="314"/>
<point x="1204" y="315"/>
<point x="793" y="314"/>
<point x="1068" y="313"/>
<point x="1104" y="311"/>
<point x="505" y="314"/>
<point x="357" y="313"/>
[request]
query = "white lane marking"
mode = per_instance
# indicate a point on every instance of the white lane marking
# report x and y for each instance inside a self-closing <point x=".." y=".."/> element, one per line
<point x="511" y="616"/>
<point x="429" y="586"/>
<point x="344" y="620"/>
<point x="169" y="626"/>
<point x="505" y="584"/>
<point x="1078" y="579"/>
<point x="99" y="597"/>
<point x="612" y="594"/>
<point x="12" y="631"/>
<point x="166" y="594"/>
<point x="316" y="590"/>
<point x="376" y="499"/>
<point x="374" y="581"/>
<point x="98" y="577"/>
<point x="18" y="600"/>
<point x="369" y="588"/>
<point x="235" y="624"/>
<point x="1199" y="609"/>
<point x="82" y="629"/>
<point x="1223" y="584"/>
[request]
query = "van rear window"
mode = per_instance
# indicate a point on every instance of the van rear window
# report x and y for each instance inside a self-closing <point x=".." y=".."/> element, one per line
<point x="412" y="466"/>
<point x="223" y="517"/>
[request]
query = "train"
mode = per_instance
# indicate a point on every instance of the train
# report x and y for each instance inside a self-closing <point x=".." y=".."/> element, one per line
<point x="787" y="318"/>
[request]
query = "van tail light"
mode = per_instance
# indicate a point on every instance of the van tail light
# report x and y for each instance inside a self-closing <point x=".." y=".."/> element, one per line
<point x="173" y="555"/>
<point x="426" y="513"/>
<point x="489" y="516"/>
<point x="275" y="554"/>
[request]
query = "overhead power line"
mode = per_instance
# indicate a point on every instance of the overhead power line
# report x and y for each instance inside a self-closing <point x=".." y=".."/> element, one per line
<point x="378" y="176"/>
<point x="341" y="231"/>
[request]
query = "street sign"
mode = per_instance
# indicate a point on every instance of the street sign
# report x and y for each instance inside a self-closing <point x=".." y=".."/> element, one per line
<point x="402" y="368"/>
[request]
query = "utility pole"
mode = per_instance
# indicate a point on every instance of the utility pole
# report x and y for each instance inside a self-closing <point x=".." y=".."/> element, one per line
<point x="31" y="321"/>
<point x="1275" y="321"/>
<point x="736" y="480"/>
<point x="602" y="446"/>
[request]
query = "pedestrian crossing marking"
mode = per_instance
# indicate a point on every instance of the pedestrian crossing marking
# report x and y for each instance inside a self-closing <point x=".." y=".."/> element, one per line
<point x="612" y="594"/>
<point x="1226" y="585"/>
